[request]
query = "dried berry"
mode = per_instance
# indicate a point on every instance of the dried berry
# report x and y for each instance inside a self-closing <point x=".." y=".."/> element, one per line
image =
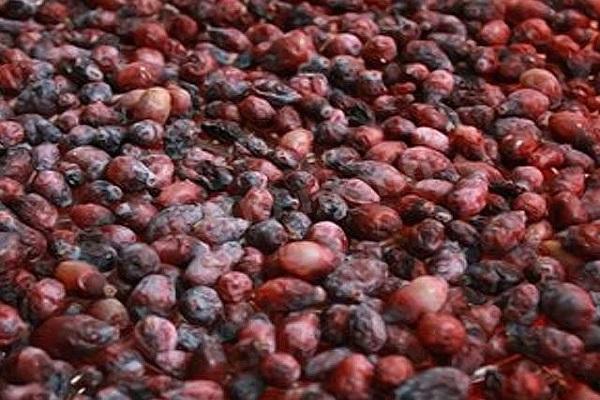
<point x="280" y="369"/>
<point x="440" y="333"/>
<point x="494" y="276"/>
<point x="74" y="336"/>
<point x="201" y="305"/>
<point x="544" y="342"/>
<point x="288" y="294"/>
<point x="306" y="260"/>
<point x="355" y="278"/>
<point x="436" y="383"/>
<point x="366" y="328"/>
<point x="568" y="305"/>
<point x="13" y="327"/>
<point x="503" y="232"/>
<point x="422" y="295"/>
<point x="352" y="378"/>
<point x="374" y="221"/>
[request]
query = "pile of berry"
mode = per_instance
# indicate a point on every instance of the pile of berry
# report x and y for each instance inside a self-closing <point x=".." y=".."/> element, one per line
<point x="299" y="200"/>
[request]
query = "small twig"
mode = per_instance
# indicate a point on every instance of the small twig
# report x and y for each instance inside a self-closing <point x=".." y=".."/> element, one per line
<point x="480" y="373"/>
<point x="73" y="389"/>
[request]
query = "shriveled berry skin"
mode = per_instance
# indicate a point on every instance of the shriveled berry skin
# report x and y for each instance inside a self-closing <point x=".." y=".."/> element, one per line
<point x="74" y="336"/>
<point x="436" y="383"/>
<point x="469" y="196"/>
<point x="201" y="305"/>
<point x="384" y="178"/>
<point x="174" y="220"/>
<point x="154" y="294"/>
<point x="366" y="328"/>
<point x="280" y="369"/>
<point x="138" y="260"/>
<point x="154" y="335"/>
<point x="421" y="162"/>
<point x="374" y="221"/>
<point x="175" y="249"/>
<point x="45" y="298"/>
<point x="521" y="304"/>
<point x="323" y="363"/>
<point x="583" y="239"/>
<point x="504" y="232"/>
<point x="568" y="305"/>
<point x="494" y="276"/>
<point x="198" y="388"/>
<point x="544" y="342"/>
<point x="220" y="230"/>
<point x="256" y="205"/>
<point x="288" y="294"/>
<point x="13" y="326"/>
<point x="289" y="51"/>
<point x="356" y="278"/>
